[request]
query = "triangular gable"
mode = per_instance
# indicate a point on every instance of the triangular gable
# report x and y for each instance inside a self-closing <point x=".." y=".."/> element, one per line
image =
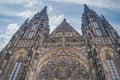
<point x="66" y="28"/>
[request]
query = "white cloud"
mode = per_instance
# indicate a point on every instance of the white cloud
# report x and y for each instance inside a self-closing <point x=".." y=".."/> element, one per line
<point x="5" y="37"/>
<point x="30" y="4"/>
<point x="26" y="7"/>
<point x="25" y="14"/>
<point x="15" y="1"/>
<point x="11" y="29"/>
<point x="55" y="21"/>
<point x="25" y="3"/>
<point x="110" y="4"/>
<point x="50" y="8"/>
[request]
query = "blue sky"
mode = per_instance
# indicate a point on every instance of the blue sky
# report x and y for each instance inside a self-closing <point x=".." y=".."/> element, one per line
<point x="14" y="12"/>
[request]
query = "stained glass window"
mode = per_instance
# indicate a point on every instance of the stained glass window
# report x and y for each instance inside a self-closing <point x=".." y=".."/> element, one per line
<point x="15" y="71"/>
<point x="34" y="27"/>
<point x="113" y="69"/>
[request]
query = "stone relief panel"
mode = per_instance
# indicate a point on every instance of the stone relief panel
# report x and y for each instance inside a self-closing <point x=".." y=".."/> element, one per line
<point x="63" y="65"/>
<point x="63" y="69"/>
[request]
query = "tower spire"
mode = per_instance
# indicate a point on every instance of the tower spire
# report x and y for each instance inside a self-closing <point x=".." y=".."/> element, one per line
<point x="44" y="11"/>
<point x="86" y="8"/>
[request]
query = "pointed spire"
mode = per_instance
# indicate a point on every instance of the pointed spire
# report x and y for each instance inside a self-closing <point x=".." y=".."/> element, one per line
<point x="44" y="11"/>
<point x="86" y="8"/>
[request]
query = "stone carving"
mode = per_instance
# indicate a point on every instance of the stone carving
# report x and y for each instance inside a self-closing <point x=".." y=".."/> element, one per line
<point x="63" y="69"/>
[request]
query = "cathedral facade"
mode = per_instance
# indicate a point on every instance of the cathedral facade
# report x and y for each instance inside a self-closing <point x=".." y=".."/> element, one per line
<point x="34" y="54"/>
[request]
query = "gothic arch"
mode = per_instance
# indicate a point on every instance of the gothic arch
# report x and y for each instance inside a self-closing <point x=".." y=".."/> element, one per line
<point x="20" y="53"/>
<point x="104" y="53"/>
<point x="17" y="57"/>
<point x="77" y="57"/>
<point x="50" y="52"/>
<point x="59" y="57"/>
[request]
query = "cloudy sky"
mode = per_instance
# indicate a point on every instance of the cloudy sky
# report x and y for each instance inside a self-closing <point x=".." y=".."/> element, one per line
<point x="14" y="12"/>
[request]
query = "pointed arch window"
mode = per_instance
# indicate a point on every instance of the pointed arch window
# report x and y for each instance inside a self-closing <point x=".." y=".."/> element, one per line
<point x="95" y="24"/>
<point x="34" y="27"/>
<point x="98" y="32"/>
<point x="15" y="71"/>
<point x="112" y="68"/>
<point x="31" y="34"/>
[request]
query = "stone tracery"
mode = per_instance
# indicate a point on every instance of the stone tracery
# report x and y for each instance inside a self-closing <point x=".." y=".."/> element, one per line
<point x="63" y="69"/>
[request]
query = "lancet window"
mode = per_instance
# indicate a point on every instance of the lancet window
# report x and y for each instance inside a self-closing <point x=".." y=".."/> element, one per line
<point x="112" y="68"/>
<point x="15" y="71"/>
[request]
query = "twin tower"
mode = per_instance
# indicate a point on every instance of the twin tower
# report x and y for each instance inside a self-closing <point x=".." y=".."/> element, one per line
<point x="34" y="54"/>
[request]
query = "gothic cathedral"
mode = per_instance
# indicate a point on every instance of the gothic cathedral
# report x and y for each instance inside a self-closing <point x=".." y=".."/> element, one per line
<point x="34" y="54"/>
